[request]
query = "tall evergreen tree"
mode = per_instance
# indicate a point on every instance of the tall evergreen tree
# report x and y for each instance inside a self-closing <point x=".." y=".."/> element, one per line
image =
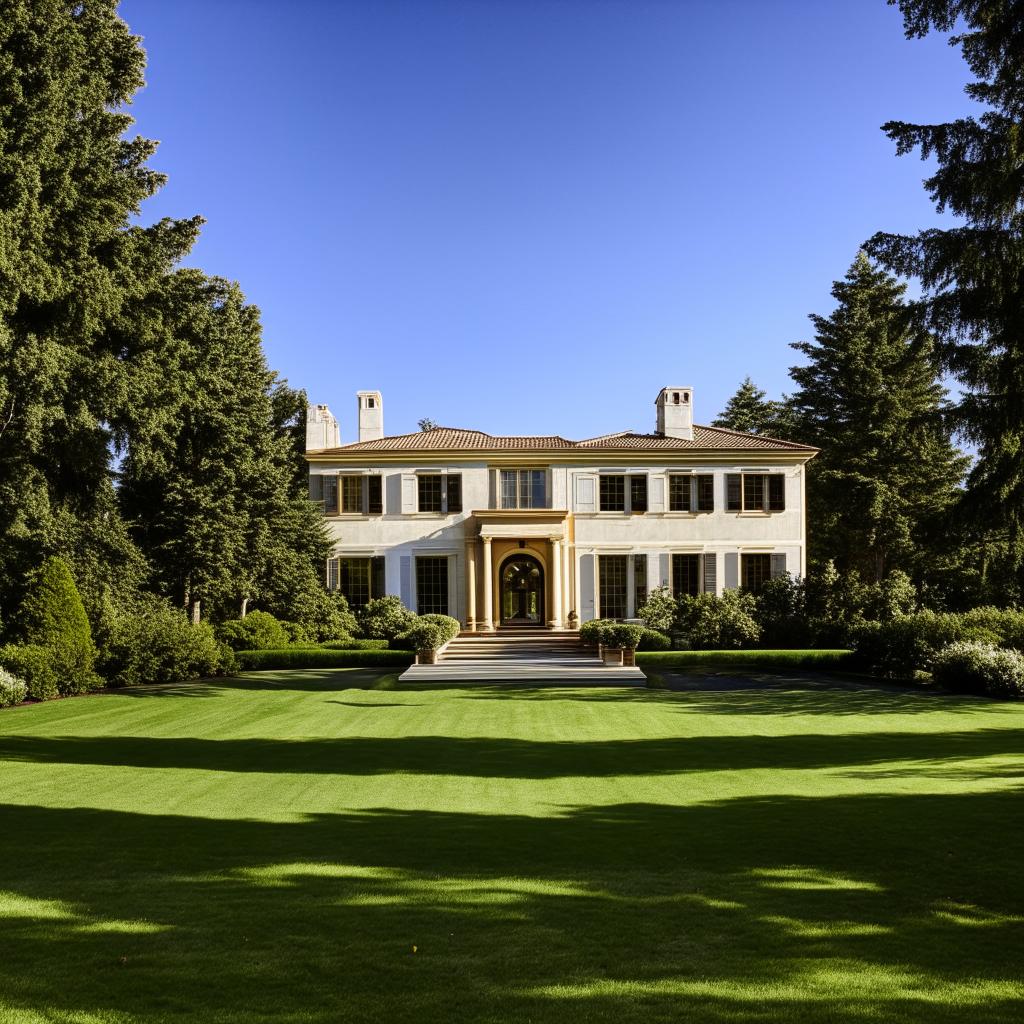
<point x="208" y="481"/>
<point x="747" y="410"/>
<point x="69" y="260"/>
<point x="869" y="398"/>
<point x="973" y="284"/>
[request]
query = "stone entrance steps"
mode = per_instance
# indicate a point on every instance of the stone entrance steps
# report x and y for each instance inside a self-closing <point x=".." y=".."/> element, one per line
<point x="521" y="655"/>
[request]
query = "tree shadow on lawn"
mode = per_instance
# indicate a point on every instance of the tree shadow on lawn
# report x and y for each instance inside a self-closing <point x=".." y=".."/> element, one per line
<point x="509" y="758"/>
<point x="325" y="680"/>
<point x="889" y="907"/>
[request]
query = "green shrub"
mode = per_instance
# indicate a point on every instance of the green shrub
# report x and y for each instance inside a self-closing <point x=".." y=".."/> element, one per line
<point x="34" y="665"/>
<point x="53" y="617"/>
<point x="717" y="623"/>
<point x="385" y="618"/>
<point x="653" y="640"/>
<point x="424" y="636"/>
<point x="296" y="632"/>
<point x="784" y="661"/>
<point x="781" y="612"/>
<point x="622" y="635"/>
<point x="659" y="610"/>
<point x="591" y="632"/>
<point x="907" y="644"/>
<point x="358" y="644"/>
<point x="258" y="631"/>
<point x="971" y="667"/>
<point x="12" y="689"/>
<point x="302" y="658"/>
<point x="449" y="626"/>
<point x="151" y="641"/>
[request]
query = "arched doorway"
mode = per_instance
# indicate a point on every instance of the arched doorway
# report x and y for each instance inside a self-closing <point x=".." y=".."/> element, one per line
<point x="522" y="591"/>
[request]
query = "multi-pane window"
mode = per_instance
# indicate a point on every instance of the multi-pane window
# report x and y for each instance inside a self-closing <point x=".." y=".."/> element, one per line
<point x="432" y="585"/>
<point x="612" y="585"/>
<point x="689" y="493"/>
<point x="523" y="488"/>
<point x="612" y="493"/>
<point x="620" y="493"/>
<point x="755" y="492"/>
<point x="439" y="492"/>
<point x="351" y="493"/>
<point x="685" y="575"/>
<point x="755" y="570"/>
<point x="358" y="579"/>
<point x="348" y="494"/>
<point x="639" y="582"/>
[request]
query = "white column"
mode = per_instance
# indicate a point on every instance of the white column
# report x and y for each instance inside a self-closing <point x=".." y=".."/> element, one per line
<point x="471" y="585"/>
<point x="488" y="586"/>
<point x="556" y="584"/>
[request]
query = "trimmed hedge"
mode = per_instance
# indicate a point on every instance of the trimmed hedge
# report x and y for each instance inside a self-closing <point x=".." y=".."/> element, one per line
<point x="306" y="658"/>
<point x="747" y="659"/>
<point x="350" y="644"/>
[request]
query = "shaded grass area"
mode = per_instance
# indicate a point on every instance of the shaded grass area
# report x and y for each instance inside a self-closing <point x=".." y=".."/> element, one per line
<point x="275" y="848"/>
<point x="780" y="660"/>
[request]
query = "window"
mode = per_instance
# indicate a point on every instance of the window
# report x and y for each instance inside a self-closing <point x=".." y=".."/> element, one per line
<point x="639" y="582"/>
<point x="323" y="489"/>
<point x="688" y="493"/>
<point x="613" y="493"/>
<point x="358" y="579"/>
<point x="755" y="492"/>
<point x="523" y="488"/>
<point x="439" y="492"/>
<point x="351" y="493"/>
<point x="638" y="493"/>
<point x="432" y="586"/>
<point x="685" y="575"/>
<point x="755" y="570"/>
<point x="678" y="493"/>
<point x="612" y="585"/>
<point x="705" y="493"/>
<point x="374" y="496"/>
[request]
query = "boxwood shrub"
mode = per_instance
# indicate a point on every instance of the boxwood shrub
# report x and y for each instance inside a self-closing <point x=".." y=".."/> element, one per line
<point x="972" y="667"/>
<point x="300" y="657"/>
<point x="350" y="644"/>
<point x="747" y="659"/>
<point x="34" y="666"/>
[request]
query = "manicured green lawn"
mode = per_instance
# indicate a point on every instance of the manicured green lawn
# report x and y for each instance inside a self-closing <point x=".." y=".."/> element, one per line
<point x="281" y="848"/>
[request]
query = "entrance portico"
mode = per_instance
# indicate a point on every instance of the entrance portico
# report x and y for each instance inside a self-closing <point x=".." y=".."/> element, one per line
<point x="517" y="568"/>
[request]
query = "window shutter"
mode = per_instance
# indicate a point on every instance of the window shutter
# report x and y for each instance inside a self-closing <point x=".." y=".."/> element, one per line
<point x="587" y="606"/>
<point x="656" y="493"/>
<point x="586" y="492"/>
<point x="733" y="492"/>
<point x="453" y="492"/>
<point x="332" y="574"/>
<point x="710" y="573"/>
<point x="316" y="487"/>
<point x="778" y="564"/>
<point x="776" y="492"/>
<point x="378" y="587"/>
<point x="374" y="495"/>
<point x="731" y="576"/>
<point x="405" y="577"/>
<point x="410" y="494"/>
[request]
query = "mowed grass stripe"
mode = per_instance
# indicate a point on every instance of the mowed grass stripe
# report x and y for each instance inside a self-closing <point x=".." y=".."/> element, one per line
<point x="272" y="848"/>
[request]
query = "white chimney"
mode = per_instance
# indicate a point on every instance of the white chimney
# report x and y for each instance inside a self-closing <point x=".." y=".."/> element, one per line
<point x="675" y="412"/>
<point x="321" y="428"/>
<point x="371" y="415"/>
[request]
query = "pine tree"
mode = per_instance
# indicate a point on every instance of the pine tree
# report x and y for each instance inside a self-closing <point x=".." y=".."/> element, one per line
<point x="751" y="412"/>
<point x="869" y="398"/>
<point x="973" y="287"/>
<point x="69" y="185"/>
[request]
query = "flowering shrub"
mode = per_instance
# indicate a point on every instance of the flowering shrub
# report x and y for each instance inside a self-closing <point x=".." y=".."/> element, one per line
<point x="12" y="689"/>
<point x="971" y="667"/>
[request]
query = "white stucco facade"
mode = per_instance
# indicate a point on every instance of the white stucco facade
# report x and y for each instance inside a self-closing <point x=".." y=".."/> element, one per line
<point x="609" y="519"/>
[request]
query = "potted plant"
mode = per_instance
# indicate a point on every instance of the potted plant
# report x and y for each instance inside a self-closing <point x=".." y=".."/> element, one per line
<point x="623" y="639"/>
<point x="574" y="619"/>
<point x="425" y="638"/>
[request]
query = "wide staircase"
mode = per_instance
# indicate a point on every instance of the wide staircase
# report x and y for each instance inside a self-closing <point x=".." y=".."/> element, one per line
<point x="516" y="654"/>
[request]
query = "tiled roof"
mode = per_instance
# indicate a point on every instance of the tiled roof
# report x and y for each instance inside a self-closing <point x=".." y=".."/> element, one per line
<point x="455" y="439"/>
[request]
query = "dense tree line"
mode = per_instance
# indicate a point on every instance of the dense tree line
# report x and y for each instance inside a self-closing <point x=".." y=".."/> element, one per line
<point x="886" y="491"/>
<point x="143" y="439"/>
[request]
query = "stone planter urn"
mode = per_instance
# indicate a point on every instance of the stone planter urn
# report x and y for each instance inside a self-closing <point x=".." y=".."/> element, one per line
<point x="612" y="656"/>
<point x="574" y="620"/>
<point x="426" y="656"/>
<point x="628" y="655"/>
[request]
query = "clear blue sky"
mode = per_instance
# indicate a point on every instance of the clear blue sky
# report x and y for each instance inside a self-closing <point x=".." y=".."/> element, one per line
<point x="529" y="216"/>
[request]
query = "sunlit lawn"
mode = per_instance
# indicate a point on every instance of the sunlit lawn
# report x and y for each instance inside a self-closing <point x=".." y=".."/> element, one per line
<point x="282" y="848"/>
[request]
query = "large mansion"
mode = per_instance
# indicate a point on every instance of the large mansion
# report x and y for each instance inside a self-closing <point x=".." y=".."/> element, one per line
<point x="507" y="531"/>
